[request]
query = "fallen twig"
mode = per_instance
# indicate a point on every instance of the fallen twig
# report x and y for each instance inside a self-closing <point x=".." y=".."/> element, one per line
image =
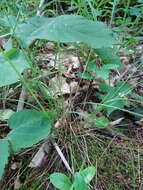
<point x="40" y="5"/>
<point x="22" y="94"/>
<point x="62" y="157"/>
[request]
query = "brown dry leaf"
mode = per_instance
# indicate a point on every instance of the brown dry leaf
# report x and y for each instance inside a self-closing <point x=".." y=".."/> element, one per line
<point x="64" y="62"/>
<point x="5" y="114"/>
<point x="14" y="166"/>
<point x="120" y="176"/>
<point x="50" y="45"/>
<point x="58" y="86"/>
<point x="73" y="87"/>
<point x="38" y="158"/>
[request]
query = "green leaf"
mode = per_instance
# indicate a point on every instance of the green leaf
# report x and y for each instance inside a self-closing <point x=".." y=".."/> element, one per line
<point x="108" y="55"/>
<point x="79" y="182"/>
<point x="104" y="87"/>
<point x="25" y="118"/>
<point x="29" y="127"/>
<point x="88" y="174"/>
<point x="110" y="66"/>
<point x="101" y="122"/>
<point x="4" y="154"/>
<point x="85" y="75"/>
<point x="8" y="21"/>
<point x="65" y="28"/>
<point x="123" y="88"/>
<point x="102" y="73"/>
<point x="7" y="73"/>
<point x="114" y="98"/>
<point x="92" y="66"/>
<point x="98" y="70"/>
<point x="60" y="181"/>
<point x="114" y="105"/>
<point x="135" y="11"/>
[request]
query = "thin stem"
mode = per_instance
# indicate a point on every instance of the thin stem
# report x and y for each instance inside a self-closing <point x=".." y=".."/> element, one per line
<point x="126" y="10"/>
<point x="113" y="12"/>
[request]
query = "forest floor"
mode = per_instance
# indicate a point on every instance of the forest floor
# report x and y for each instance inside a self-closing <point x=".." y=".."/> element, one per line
<point x="115" y="151"/>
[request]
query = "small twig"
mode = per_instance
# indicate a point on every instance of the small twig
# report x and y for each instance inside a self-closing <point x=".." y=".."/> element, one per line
<point x="22" y="94"/>
<point x="132" y="66"/>
<point x="122" y="75"/>
<point x="116" y="122"/>
<point x="136" y="76"/>
<point x="63" y="158"/>
<point x="4" y="125"/>
<point x="40" y="6"/>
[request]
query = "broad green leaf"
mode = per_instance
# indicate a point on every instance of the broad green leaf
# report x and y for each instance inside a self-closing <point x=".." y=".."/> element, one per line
<point x="101" y="122"/>
<point x="85" y="75"/>
<point x="7" y="73"/>
<point x="79" y="182"/>
<point x="28" y="128"/>
<point x="93" y="67"/>
<point x="88" y="174"/>
<point x="108" y="55"/>
<point x="135" y="11"/>
<point x="65" y="28"/>
<point x="25" y="118"/>
<point x="8" y="21"/>
<point x="4" y="154"/>
<point x="60" y="181"/>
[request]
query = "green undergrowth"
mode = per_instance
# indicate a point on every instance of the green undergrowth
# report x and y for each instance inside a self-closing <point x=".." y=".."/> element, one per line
<point x="102" y="155"/>
<point x="116" y="162"/>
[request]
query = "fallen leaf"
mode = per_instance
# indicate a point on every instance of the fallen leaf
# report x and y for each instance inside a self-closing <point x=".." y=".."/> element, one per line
<point x="58" y="86"/>
<point x="5" y="114"/>
<point x="116" y="122"/>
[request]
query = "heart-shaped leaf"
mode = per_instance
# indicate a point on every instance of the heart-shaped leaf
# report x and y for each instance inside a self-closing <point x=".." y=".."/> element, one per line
<point x="65" y="28"/>
<point x="9" y="61"/>
<point x="101" y="122"/>
<point x="108" y="55"/>
<point x="28" y="128"/>
<point x="79" y="182"/>
<point x="88" y="174"/>
<point x="60" y="181"/>
<point x="85" y="75"/>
